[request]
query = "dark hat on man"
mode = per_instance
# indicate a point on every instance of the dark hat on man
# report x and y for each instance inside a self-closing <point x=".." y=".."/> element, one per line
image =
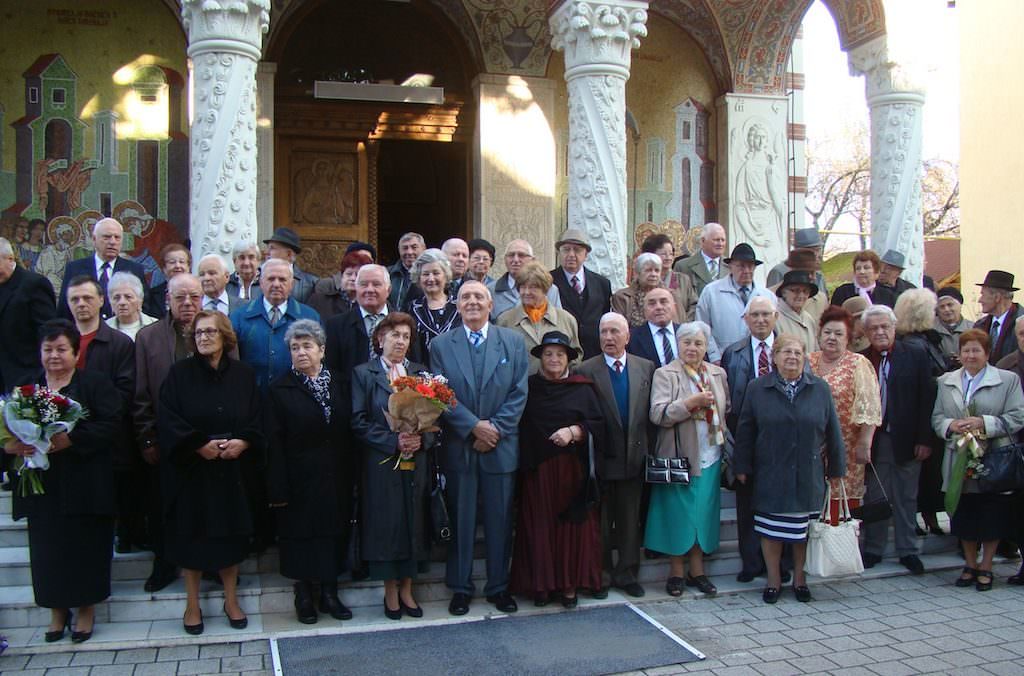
<point x="807" y="237"/>
<point x="802" y="259"/>
<point x="794" y="277"/>
<point x="555" y="338"/>
<point x="895" y="258"/>
<point x="951" y="292"/>
<point x="362" y="246"/>
<point x="999" y="279"/>
<point x="574" y="236"/>
<point x="479" y="243"/>
<point x="288" y="237"/>
<point x="743" y="252"/>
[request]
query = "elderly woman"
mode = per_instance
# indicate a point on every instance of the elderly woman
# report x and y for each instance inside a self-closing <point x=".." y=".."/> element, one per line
<point x="787" y="427"/>
<point x="866" y="266"/>
<point x="306" y="457"/>
<point x="678" y="283"/>
<point x="245" y="280"/>
<point x="71" y="523"/>
<point x="393" y="536"/>
<point x="987" y="402"/>
<point x="435" y="310"/>
<point x="689" y="401"/>
<point x="534" y="316"/>
<point x="208" y="424"/>
<point x="174" y="259"/>
<point x="558" y="534"/>
<point x="336" y="294"/>
<point x="124" y="290"/>
<point x="797" y="286"/>
<point x="854" y="386"/>
<point x="629" y="301"/>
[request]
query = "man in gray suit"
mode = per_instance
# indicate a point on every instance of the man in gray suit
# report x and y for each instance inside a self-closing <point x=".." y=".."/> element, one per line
<point x="624" y="389"/>
<point x="486" y="367"/>
<point x="706" y="266"/>
<point x="213" y="275"/>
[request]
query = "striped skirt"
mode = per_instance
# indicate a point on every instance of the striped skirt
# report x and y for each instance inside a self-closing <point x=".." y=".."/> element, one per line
<point x="791" y="527"/>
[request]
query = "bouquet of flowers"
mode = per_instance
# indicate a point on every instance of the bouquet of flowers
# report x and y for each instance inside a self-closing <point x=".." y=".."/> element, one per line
<point x="967" y="464"/>
<point x="414" y="407"/>
<point x="34" y="414"/>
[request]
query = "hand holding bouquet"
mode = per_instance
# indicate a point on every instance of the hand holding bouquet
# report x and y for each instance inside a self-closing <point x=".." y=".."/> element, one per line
<point x="967" y="463"/>
<point x="413" y="409"/>
<point x="34" y="415"/>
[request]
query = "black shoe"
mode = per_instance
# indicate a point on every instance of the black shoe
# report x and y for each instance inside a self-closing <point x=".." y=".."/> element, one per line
<point x="503" y="601"/>
<point x="1007" y="550"/>
<point x="54" y="636"/>
<point x="416" y="612"/>
<point x="541" y="600"/>
<point x="786" y="577"/>
<point x="241" y="623"/>
<point x="601" y="593"/>
<point x="305" y="612"/>
<point x="674" y="586"/>
<point x="633" y="589"/>
<point x="392" y="614"/>
<point x="920" y="532"/>
<point x="122" y="545"/>
<point x="1018" y="579"/>
<point x="459" y="604"/>
<point x="936" y="530"/>
<point x="968" y="576"/>
<point x="194" y="629"/>
<point x="745" y="576"/>
<point x="770" y="594"/>
<point x="912" y="563"/>
<point x="702" y="583"/>
<point x="984" y="586"/>
<point x="331" y="605"/>
<point x="570" y="602"/>
<point x="870" y="560"/>
<point x="163" y="574"/>
<point x="803" y="593"/>
<point x="83" y="636"/>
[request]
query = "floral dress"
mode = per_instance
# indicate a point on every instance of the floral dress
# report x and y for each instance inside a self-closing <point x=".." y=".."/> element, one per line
<point x="855" y="392"/>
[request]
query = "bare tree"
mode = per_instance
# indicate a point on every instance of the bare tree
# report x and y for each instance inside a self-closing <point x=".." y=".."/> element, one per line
<point x="940" y="198"/>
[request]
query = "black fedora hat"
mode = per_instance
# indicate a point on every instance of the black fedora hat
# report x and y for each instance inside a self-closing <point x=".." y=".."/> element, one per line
<point x="743" y="252"/>
<point x="805" y="277"/>
<point x="999" y="279"/>
<point x="556" y="338"/>
<point x="286" y="236"/>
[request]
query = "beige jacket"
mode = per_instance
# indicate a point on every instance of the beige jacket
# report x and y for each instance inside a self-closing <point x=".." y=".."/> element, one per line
<point x="669" y="389"/>
<point x="800" y="325"/>
<point x="554" y="319"/>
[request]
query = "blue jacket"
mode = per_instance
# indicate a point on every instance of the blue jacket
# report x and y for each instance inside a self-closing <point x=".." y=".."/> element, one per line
<point x="261" y="346"/>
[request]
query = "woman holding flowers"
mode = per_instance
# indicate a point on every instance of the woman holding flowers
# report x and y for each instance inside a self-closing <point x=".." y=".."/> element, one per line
<point x="71" y="514"/>
<point x="393" y="537"/>
<point x="978" y="407"/>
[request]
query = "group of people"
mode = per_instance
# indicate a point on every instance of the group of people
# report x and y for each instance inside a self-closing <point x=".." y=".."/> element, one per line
<point x="229" y="410"/>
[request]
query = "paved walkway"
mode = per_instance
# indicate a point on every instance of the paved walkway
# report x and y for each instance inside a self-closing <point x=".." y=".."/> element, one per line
<point x="886" y="626"/>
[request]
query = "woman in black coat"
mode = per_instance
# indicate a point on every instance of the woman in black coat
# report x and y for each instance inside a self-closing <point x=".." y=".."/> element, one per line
<point x="306" y="426"/>
<point x="71" y="524"/>
<point x="209" y="426"/>
<point x="394" y="539"/>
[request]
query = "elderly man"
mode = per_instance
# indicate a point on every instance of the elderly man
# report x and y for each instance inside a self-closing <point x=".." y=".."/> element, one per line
<point x="722" y="302"/>
<point x="803" y="238"/>
<point x="706" y="267"/>
<point x="518" y="253"/>
<point x="655" y="341"/>
<point x="902" y="442"/>
<point x="410" y="246"/>
<point x="893" y="264"/>
<point x="213" y="275"/>
<point x="481" y="258"/>
<point x="585" y="294"/>
<point x="623" y="386"/>
<point x="244" y="282"/>
<point x="796" y="288"/>
<point x="157" y="347"/>
<point x="107" y="235"/>
<point x="950" y="322"/>
<point x="285" y="245"/>
<point x="457" y="252"/>
<point x="997" y="303"/>
<point x="26" y="302"/>
<point x="486" y="367"/>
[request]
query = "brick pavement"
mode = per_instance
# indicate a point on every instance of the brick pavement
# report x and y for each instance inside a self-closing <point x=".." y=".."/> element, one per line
<point x="874" y="627"/>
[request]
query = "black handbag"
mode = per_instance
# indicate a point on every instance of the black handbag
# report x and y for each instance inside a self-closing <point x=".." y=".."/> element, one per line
<point x="667" y="470"/>
<point x="879" y="510"/>
<point x="1004" y="469"/>
<point x="440" y="524"/>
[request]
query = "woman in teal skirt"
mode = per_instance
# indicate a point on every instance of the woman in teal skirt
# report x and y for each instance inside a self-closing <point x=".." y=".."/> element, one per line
<point x="689" y="400"/>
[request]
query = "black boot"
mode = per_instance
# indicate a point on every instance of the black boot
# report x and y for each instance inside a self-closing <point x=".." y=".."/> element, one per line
<point x="304" y="609"/>
<point x="331" y="604"/>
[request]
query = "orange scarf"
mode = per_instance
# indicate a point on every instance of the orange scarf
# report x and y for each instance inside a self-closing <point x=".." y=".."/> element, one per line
<point x="536" y="313"/>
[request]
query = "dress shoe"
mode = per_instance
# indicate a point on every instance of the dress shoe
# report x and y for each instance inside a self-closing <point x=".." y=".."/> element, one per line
<point x="702" y="583"/>
<point x="967" y="578"/>
<point x="83" y="636"/>
<point x="870" y="560"/>
<point x="305" y="612"/>
<point x="984" y="582"/>
<point x="633" y="589"/>
<point x="411" y="611"/>
<point x="1018" y="579"/>
<point x="392" y="614"/>
<point x="163" y="574"/>
<point x="570" y="602"/>
<point x="803" y="593"/>
<point x="674" y="586"/>
<point x="745" y="576"/>
<point x="54" y="636"/>
<point x="601" y="593"/>
<point x="331" y="604"/>
<point x="459" y="604"/>
<point x="770" y="594"/>
<point x="541" y="599"/>
<point x="503" y="601"/>
<point x="240" y="623"/>
<point x="194" y="629"/>
<point x="912" y="563"/>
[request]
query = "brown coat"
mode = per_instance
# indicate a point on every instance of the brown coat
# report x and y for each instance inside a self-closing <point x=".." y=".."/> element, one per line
<point x="668" y="391"/>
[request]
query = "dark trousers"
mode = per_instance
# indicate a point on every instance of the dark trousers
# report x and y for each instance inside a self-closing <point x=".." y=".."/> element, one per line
<point x="131" y="517"/>
<point x="620" y="530"/>
<point x="496" y="492"/>
<point x="153" y="505"/>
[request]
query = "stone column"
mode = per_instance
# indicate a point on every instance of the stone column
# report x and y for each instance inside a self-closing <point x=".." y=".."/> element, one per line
<point x="224" y="44"/>
<point x="265" y="72"/>
<point x="597" y="39"/>
<point x="895" y="98"/>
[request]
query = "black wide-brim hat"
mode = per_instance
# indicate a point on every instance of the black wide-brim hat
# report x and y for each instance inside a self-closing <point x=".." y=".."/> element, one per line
<point x="999" y="279"/>
<point x="805" y="277"/>
<point x="286" y="236"/>
<point x="556" y="338"/>
<point x="743" y="252"/>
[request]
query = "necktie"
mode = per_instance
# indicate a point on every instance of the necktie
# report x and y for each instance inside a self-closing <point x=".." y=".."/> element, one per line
<point x="993" y="332"/>
<point x="883" y="378"/>
<point x="618" y="366"/>
<point x="666" y="347"/>
<point x="477" y="337"/>
<point x="275" y="315"/>
<point x="211" y="305"/>
<point x="372" y="321"/>
<point x="744" y="294"/>
<point x="763" y="363"/>
<point x="713" y="268"/>
<point x="104" y="277"/>
<point x="576" y="284"/>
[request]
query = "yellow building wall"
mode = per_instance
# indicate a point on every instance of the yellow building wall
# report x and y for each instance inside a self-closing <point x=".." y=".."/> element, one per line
<point x="991" y="152"/>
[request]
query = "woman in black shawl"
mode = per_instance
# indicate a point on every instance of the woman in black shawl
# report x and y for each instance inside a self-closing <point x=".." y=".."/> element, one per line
<point x="558" y="534"/>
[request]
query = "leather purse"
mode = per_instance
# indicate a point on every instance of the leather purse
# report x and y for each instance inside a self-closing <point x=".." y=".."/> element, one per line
<point x="833" y="551"/>
<point x="667" y="471"/>
<point x="1004" y="469"/>
<point x="879" y="510"/>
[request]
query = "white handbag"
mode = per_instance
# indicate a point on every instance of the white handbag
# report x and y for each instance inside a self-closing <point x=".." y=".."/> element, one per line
<point x="833" y="551"/>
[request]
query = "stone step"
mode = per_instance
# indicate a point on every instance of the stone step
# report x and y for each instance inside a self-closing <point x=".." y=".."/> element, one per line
<point x="5" y="502"/>
<point x="12" y="533"/>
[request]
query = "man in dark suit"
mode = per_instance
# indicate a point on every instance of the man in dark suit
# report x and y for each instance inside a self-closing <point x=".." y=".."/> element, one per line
<point x="903" y="441"/>
<point x="655" y="341"/>
<point x="1001" y="313"/>
<point x="107" y="235"/>
<point x="893" y="265"/>
<point x="585" y="294"/>
<point x="26" y="302"/>
<point x="706" y="266"/>
<point x="286" y="245"/>
<point x="623" y="385"/>
<point x="157" y="347"/>
<point x="213" y="275"/>
<point x="486" y="367"/>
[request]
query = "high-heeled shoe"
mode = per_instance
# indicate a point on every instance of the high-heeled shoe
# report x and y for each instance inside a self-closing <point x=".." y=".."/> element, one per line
<point x="392" y="614"/>
<point x="54" y="636"/>
<point x="81" y="636"/>
<point x="416" y="612"/>
<point x="194" y="629"/>
<point x="235" y="624"/>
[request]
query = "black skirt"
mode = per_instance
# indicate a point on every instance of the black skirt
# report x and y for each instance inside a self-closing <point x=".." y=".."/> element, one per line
<point x="313" y="559"/>
<point x="70" y="558"/>
<point x="207" y="553"/>
<point x="981" y="517"/>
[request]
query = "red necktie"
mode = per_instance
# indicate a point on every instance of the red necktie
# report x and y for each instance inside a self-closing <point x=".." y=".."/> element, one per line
<point x="618" y="366"/>
<point x="576" y="285"/>
<point x="763" y="365"/>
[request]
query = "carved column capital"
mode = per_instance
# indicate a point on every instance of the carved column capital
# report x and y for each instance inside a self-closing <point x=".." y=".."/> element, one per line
<point x="884" y="76"/>
<point x="597" y="37"/>
<point x="234" y="26"/>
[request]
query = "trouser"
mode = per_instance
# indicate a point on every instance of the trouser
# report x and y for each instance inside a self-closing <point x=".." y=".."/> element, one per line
<point x="153" y="504"/>
<point x="620" y="530"/>
<point x="496" y="492"/>
<point x="900" y="481"/>
<point x="128" y="498"/>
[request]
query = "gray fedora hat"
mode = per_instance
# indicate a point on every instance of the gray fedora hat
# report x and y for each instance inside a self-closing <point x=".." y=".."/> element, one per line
<point x="286" y="236"/>
<point x="806" y="237"/>
<point x="574" y="236"/>
<point x="895" y="258"/>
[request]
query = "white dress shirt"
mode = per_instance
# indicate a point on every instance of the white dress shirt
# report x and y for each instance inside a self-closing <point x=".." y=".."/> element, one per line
<point x="220" y="304"/>
<point x="658" y="343"/>
<point x="611" y="361"/>
<point x="579" y="277"/>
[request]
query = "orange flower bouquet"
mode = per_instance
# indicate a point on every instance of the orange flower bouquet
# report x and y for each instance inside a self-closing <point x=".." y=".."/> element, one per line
<point x="414" y="407"/>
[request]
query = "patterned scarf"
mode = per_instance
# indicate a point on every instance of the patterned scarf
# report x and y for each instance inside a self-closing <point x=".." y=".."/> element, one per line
<point x="536" y="313"/>
<point x="700" y="380"/>
<point x="320" y="387"/>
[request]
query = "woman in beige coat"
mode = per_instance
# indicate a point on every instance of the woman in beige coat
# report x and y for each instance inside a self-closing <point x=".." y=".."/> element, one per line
<point x="689" y="400"/>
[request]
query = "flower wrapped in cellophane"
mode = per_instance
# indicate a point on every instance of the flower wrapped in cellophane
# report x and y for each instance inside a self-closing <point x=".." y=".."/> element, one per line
<point x="414" y="407"/>
<point x="33" y="414"/>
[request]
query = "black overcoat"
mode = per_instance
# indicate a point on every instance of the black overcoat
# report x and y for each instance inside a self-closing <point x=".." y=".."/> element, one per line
<point x="112" y="353"/>
<point x="26" y="301"/>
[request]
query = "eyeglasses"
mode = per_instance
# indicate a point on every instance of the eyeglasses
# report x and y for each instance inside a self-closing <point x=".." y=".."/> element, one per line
<point x="208" y="333"/>
<point x="181" y="298"/>
<point x="479" y="259"/>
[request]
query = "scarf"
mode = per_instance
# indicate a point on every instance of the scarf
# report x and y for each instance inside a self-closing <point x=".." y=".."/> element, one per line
<point x="536" y="313"/>
<point x="700" y="380"/>
<point x="865" y="292"/>
<point x="320" y="388"/>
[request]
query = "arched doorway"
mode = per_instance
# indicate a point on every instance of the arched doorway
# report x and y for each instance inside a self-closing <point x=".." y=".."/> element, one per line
<point x="361" y="161"/>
